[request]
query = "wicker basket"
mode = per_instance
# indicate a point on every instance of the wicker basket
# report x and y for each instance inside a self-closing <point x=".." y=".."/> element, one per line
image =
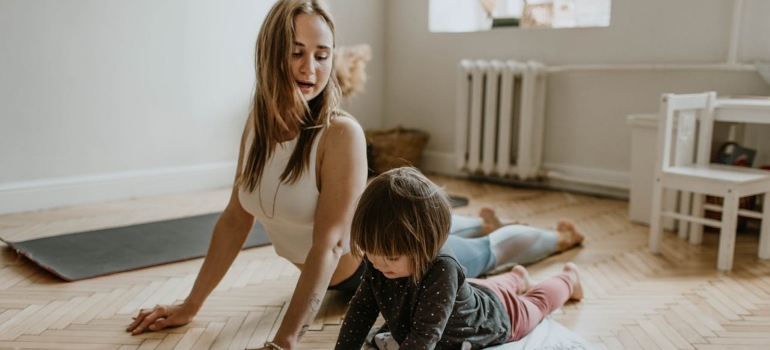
<point x="396" y="147"/>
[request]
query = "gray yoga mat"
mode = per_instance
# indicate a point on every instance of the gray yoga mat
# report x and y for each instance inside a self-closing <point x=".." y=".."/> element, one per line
<point x="82" y="255"/>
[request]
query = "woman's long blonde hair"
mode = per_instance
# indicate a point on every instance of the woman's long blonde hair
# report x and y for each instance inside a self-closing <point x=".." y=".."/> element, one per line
<point x="278" y="104"/>
<point x="402" y="212"/>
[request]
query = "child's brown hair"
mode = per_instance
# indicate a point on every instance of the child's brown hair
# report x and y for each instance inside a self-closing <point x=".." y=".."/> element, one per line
<point x="402" y="212"/>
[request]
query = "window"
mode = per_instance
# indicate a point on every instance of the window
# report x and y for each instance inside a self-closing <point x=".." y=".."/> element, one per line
<point x="479" y="15"/>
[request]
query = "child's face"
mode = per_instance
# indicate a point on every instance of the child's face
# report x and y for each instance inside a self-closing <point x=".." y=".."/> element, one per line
<point x="391" y="266"/>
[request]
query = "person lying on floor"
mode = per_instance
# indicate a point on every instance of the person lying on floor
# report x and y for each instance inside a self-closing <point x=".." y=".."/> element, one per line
<point x="484" y="243"/>
<point x="400" y="227"/>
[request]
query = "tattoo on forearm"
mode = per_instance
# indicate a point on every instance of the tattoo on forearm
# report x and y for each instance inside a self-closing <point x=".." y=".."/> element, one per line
<point x="315" y="303"/>
<point x="303" y="330"/>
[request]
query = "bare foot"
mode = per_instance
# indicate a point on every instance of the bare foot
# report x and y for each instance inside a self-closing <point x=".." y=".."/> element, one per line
<point x="522" y="272"/>
<point x="489" y="220"/>
<point x="574" y="275"/>
<point x="568" y="236"/>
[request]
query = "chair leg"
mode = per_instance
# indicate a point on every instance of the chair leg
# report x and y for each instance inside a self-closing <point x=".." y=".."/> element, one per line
<point x="764" y="233"/>
<point x="684" y="208"/>
<point x="727" y="234"/>
<point x="696" y="229"/>
<point x="656" y="229"/>
<point x="670" y="201"/>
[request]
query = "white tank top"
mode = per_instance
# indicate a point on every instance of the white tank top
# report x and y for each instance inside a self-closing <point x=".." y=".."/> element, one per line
<point x="287" y="211"/>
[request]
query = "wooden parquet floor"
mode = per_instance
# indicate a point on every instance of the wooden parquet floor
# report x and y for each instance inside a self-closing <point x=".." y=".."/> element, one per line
<point x="634" y="300"/>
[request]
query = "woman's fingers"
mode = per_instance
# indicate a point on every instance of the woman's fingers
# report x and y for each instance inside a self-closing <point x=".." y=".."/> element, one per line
<point x="137" y="319"/>
<point x="147" y="320"/>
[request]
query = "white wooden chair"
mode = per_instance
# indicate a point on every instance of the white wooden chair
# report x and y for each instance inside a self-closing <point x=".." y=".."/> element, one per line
<point x="684" y="165"/>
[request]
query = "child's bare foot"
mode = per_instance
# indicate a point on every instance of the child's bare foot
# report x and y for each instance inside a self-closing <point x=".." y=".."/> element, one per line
<point x="574" y="275"/>
<point x="489" y="220"/>
<point x="522" y="272"/>
<point x="568" y="236"/>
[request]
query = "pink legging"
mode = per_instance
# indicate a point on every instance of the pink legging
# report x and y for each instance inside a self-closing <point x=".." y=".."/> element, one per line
<point x="527" y="310"/>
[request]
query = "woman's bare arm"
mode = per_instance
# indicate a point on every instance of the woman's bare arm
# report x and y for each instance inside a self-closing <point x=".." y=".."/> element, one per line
<point x="230" y="233"/>
<point x="342" y="179"/>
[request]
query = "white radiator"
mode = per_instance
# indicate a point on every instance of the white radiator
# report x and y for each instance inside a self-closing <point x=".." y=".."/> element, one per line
<point x="500" y="114"/>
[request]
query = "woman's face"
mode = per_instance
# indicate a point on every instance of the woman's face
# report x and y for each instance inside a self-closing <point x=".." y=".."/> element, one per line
<point x="312" y="54"/>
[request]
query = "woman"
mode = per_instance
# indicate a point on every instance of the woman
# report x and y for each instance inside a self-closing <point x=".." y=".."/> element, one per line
<point x="301" y="168"/>
<point x="294" y="106"/>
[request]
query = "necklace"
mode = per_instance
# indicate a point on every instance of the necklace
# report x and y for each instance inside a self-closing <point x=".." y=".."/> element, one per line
<point x="275" y="197"/>
<point x="277" y="188"/>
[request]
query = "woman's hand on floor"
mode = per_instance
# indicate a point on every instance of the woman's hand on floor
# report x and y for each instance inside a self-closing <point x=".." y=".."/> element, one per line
<point x="160" y="317"/>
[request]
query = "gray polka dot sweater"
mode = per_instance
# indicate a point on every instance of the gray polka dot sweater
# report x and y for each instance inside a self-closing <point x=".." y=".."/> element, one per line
<point x="440" y="312"/>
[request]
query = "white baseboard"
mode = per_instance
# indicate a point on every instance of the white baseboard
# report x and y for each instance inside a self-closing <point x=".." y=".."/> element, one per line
<point x="440" y="163"/>
<point x="444" y="163"/>
<point x="588" y="176"/>
<point x="18" y="197"/>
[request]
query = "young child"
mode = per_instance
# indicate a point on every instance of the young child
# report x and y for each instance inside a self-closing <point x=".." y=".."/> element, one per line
<point x="399" y="228"/>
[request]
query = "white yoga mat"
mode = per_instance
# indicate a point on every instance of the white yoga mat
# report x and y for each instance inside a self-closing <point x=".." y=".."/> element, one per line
<point x="548" y="335"/>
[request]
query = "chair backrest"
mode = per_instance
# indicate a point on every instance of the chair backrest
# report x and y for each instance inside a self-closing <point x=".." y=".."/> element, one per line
<point x="693" y="117"/>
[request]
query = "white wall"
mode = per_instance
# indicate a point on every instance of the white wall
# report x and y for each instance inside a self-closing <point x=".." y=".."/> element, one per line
<point x="105" y="100"/>
<point x="587" y="137"/>
<point x="363" y="22"/>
